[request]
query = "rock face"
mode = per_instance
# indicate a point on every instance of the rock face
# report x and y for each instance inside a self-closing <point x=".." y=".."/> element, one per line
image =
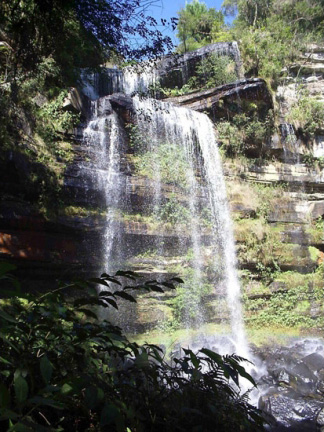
<point x="223" y="101"/>
<point x="303" y="78"/>
<point x="175" y="71"/>
<point x="277" y="204"/>
<point x="170" y="72"/>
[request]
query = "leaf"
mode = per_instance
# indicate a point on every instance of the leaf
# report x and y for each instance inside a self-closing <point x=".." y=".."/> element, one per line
<point x="110" y="279"/>
<point x="4" y="396"/>
<point x="89" y="313"/>
<point x="156" y="288"/>
<point x="125" y="296"/>
<point x="142" y="360"/>
<point x="6" y="267"/>
<point x="177" y="279"/>
<point x="242" y="372"/>
<point x="66" y="389"/>
<point x="46" y="369"/>
<point x="7" y="317"/>
<point x="111" y="302"/>
<point x="41" y="401"/>
<point x="5" y="361"/>
<point x="127" y="274"/>
<point x="106" y="293"/>
<point x="21" y="389"/>
<point x="8" y="414"/>
<point x="4" y="338"/>
<point x="98" y="281"/>
<point x="213" y="355"/>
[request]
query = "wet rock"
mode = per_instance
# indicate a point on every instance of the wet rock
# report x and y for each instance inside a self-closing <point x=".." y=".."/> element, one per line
<point x="288" y="410"/>
<point x="76" y="102"/>
<point x="314" y="361"/>
<point x="103" y="107"/>
<point x="320" y="420"/>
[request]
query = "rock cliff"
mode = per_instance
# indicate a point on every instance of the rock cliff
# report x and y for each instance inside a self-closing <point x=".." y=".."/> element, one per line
<point x="277" y="204"/>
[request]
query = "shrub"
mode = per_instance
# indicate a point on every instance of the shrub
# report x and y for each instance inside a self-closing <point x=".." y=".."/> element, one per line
<point x="62" y="369"/>
<point x="213" y="71"/>
<point x="307" y="114"/>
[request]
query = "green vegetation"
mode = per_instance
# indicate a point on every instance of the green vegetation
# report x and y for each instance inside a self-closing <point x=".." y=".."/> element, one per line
<point x="272" y="32"/>
<point x="248" y="130"/>
<point x="199" y="26"/>
<point x="37" y="66"/>
<point x="307" y="114"/>
<point x="168" y="162"/>
<point x="213" y="71"/>
<point x="63" y="370"/>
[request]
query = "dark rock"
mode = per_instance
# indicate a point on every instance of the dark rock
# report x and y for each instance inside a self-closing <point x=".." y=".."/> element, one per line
<point x="288" y="411"/>
<point x="175" y="70"/>
<point x="77" y="102"/>
<point x="320" y="383"/>
<point x="123" y="105"/>
<point x="103" y="107"/>
<point x="225" y="100"/>
<point x="277" y="287"/>
<point x="314" y="361"/>
<point x="320" y="419"/>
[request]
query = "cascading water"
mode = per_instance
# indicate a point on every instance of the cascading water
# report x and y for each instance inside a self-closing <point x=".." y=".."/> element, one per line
<point x="182" y="142"/>
<point x="191" y="133"/>
<point x="103" y="140"/>
<point x="290" y="143"/>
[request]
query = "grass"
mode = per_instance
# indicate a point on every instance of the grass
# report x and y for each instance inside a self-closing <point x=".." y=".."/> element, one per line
<point x="185" y="337"/>
<point x="261" y="337"/>
<point x="272" y="335"/>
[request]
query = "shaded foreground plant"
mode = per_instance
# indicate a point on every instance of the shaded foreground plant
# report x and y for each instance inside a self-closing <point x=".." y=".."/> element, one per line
<point x="64" y="370"/>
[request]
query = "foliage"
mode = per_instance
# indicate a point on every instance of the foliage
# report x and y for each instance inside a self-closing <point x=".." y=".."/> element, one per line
<point x="307" y="114"/>
<point x="213" y="71"/>
<point x="188" y="302"/>
<point x="88" y="29"/>
<point x="53" y="121"/>
<point x="246" y="129"/>
<point x="168" y="162"/>
<point x="287" y="308"/>
<point x="62" y="369"/>
<point x="173" y="212"/>
<point x="251" y="13"/>
<point x="273" y="32"/>
<point x="198" y="26"/>
<point x="265" y="52"/>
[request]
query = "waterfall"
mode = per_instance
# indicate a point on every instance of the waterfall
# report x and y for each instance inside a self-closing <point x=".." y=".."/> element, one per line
<point x="192" y="133"/>
<point x="103" y="138"/>
<point x="170" y="71"/>
<point x="185" y="202"/>
<point x="290" y="143"/>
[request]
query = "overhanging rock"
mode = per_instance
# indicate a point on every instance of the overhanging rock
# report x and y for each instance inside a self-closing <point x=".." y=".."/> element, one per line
<point x="225" y="100"/>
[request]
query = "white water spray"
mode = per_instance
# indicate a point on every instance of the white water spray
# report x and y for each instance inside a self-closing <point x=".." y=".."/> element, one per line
<point x="193" y="132"/>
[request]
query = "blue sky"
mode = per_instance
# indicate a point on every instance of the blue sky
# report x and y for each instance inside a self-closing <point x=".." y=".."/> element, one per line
<point x="169" y="8"/>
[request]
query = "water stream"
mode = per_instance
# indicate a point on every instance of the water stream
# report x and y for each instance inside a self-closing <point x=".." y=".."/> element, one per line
<point x="187" y="199"/>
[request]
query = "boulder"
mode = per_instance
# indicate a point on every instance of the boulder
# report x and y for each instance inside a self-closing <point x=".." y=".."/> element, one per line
<point x="314" y="361"/>
<point x="76" y="102"/>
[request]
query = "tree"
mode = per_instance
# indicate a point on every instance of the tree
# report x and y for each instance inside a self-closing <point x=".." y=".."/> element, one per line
<point x="250" y="12"/>
<point x="78" y="33"/>
<point x="197" y="24"/>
